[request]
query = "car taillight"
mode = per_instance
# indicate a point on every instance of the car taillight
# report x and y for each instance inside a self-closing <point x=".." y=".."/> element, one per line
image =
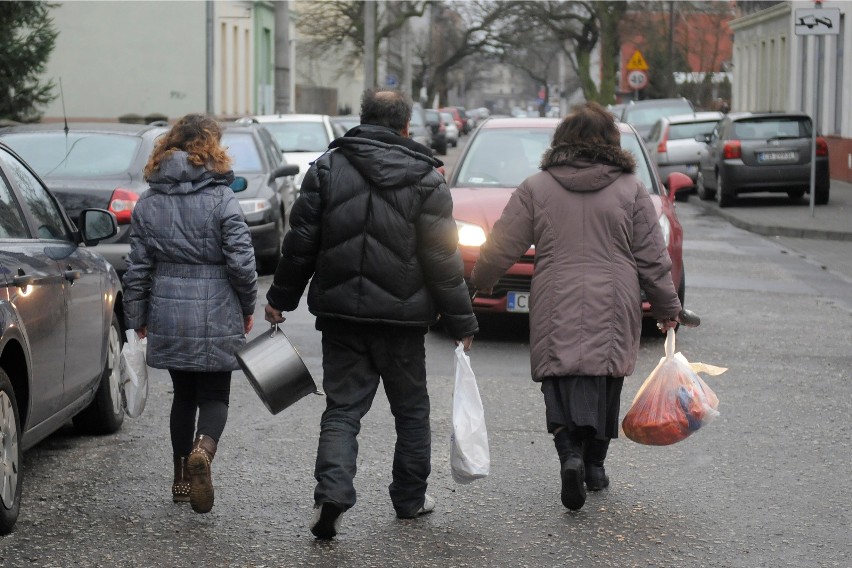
<point x="661" y="147"/>
<point x="821" y="146"/>
<point x="442" y="128"/>
<point x="733" y="150"/>
<point x="122" y="203"/>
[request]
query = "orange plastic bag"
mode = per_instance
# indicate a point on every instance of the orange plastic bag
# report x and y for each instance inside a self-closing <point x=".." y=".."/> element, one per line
<point x="673" y="402"/>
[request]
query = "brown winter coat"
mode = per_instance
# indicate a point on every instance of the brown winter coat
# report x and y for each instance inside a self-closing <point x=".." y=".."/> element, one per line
<point x="597" y="241"/>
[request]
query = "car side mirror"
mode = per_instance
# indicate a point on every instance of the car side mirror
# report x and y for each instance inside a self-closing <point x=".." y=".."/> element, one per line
<point x="702" y="138"/>
<point x="96" y="225"/>
<point x="285" y="170"/>
<point x="677" y="181"/>
<point x="239" y="184"/>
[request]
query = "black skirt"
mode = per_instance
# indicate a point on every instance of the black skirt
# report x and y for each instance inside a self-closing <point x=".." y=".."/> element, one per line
<point x="583" y="402"/>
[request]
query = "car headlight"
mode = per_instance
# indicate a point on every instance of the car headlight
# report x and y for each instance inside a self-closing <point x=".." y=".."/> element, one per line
<point x="254" y="205"/>
<point x="470" y="235"/>
<point x="666" y="228"/>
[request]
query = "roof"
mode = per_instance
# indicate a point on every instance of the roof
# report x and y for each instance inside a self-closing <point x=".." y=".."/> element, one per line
<point x="521" y="122"/>
<point x="290" y="117"/>
<point x="110" y="127"/>
<point x="694" y="117"/>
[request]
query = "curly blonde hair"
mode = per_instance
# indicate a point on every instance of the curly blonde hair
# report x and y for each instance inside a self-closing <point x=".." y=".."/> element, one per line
<point x="199" y="136"/>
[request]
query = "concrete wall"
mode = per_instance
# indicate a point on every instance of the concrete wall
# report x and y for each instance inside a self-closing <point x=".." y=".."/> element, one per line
<point x="113" y="60"/>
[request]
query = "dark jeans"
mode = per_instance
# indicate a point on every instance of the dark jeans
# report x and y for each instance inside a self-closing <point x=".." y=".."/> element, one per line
<point x="355" y="357"/>
<point x="206" y="393"/>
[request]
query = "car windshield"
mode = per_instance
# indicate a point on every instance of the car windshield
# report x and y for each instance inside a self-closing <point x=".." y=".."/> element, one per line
<point x="646" y="116"/>
<point x="299" y="136"/>
<point x="690" y="130"/>
<point x="766" y="128"/>
<point x="504" y="157"/>
<point x="243" y="152"/>
<point x="79" y="154"/>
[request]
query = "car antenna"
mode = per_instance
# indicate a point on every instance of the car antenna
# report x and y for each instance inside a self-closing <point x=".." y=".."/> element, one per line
<point x="64" y="116"/>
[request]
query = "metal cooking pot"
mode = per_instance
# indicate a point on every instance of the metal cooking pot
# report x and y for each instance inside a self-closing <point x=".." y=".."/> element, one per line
<point x="275" y="370"/>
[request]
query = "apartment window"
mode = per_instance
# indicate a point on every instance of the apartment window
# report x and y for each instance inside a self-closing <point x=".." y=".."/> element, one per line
<point x="838" y="78"/>
<point x="223" y="66"/>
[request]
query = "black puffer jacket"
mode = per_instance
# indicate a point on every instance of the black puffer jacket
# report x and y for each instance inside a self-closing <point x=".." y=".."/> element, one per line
<point x="374" y="227"/>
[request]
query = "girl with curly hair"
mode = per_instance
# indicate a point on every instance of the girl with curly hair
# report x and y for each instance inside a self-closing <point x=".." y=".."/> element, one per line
<point x="191" y="288"/>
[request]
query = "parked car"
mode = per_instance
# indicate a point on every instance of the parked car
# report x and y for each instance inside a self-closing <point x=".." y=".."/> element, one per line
<point x="60" y="323"/>
<point x="417" y="128"/>
<point x="643" y="114"/>
<point x="500" y="155"/>
<point x="452" y="129"/>
<point x="439" y="130"/>
<point x="457" y="117"/>
<point x="676" y="144"/>
<point x="264" y="186"/>
<point x="92" y="165"/>
<point x="302" y="137"/>
<point x="345" y="123"/>
<point x="754" y="152"/>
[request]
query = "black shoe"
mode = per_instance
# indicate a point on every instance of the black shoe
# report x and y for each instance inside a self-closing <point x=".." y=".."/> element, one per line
<point x="326" y="520"/>
<point x="573" y="489"/>
<point x="596" y="478"/>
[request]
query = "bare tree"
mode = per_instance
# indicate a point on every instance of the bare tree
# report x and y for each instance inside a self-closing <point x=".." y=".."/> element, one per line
<point x="536" y="54"/>
<point x="338" y="25"/>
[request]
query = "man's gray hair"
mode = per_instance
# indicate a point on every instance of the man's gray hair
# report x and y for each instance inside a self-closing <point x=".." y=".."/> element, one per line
<point x="386" y="107"/>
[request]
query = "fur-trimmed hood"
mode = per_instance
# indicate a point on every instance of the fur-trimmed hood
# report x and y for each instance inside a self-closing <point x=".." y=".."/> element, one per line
<point x="586" y="167"/>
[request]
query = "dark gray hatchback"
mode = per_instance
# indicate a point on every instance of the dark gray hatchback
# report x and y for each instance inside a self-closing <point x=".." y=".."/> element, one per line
<point x="60" y="324"/>
<point x="756" y="152"/>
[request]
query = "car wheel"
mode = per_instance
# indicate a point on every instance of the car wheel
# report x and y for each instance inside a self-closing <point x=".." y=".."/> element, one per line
<point x="105" y="414"/>
<point x="795" y="194"/>
<point x="11" y="456"/>
<point x="821" y="197"/>
<point x="268" y="263"/>
<point x="723" y="198"/>
<point x="443" y="149"/>
<point x="703" y="193"/>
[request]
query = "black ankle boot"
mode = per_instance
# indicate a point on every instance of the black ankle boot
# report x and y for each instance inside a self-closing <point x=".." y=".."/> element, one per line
<point x="570" y="450"/>
<point x="594" y="454"/>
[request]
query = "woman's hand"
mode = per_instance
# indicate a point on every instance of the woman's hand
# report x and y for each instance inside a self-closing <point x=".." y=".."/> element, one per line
<point x="248" y="322"/>
<point x="272" y="315"/>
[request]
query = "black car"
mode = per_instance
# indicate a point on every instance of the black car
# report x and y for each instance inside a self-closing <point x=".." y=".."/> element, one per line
<point x="91" y="165"/>
<point x="755" y="152"/>
<point x="60" y="324"/>
<point x="439" y="131"/>
<point x="264" y="186"/>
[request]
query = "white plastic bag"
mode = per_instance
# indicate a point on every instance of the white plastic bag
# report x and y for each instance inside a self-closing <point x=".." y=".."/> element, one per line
<point x="134" y="374"/>
<point x="469" y="455"/>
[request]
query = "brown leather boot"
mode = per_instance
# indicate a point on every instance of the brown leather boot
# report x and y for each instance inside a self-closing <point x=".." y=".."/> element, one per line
<point x="200" y="480"/>
<point x="180" y="486"/>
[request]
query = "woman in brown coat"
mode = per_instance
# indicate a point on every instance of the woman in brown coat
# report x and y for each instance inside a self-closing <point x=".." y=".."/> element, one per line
<point x="597" y="243"/>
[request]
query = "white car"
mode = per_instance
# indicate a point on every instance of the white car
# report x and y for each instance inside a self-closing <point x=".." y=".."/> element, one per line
<point x="452" y="129"/>
<point x="302" y="137"/>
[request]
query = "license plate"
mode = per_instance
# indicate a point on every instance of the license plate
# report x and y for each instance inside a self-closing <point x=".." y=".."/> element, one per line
<point x="777" y="156"/>
<point x="518" y="302"/>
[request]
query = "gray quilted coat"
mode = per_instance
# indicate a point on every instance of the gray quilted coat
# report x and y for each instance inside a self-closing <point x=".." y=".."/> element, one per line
<point x="191" y="273"/>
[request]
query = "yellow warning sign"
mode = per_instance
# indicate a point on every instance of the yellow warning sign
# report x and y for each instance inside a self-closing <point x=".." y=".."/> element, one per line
<point x="637" y="62"/>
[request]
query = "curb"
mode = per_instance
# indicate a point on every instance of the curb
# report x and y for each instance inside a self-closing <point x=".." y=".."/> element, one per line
<point x="773" y="230"/>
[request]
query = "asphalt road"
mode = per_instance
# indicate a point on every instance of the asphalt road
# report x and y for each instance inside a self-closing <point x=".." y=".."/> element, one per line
<point x="767" y="484"/>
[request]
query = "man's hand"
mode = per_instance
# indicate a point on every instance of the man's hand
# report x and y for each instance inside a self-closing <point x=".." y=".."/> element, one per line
<point x="466" y="341"/>
<point x="248" y="322"/>
<point x="665" y="325"/>
<point x="142" y="332"/>
<point x="272" y="315"/>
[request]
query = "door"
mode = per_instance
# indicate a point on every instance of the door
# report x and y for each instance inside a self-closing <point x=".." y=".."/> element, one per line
<point x="35" y="289"/>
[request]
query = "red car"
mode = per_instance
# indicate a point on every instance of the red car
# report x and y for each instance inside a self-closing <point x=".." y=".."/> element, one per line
<point x="457" y="118"/>
<point x="505" y="151"/>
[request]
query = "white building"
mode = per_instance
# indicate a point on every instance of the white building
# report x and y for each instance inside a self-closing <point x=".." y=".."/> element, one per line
<point x="775" y="69"/>
<point x="117" y="58"/>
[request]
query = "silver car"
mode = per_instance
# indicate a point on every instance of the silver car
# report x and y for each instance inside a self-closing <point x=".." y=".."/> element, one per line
<point x="673" y="146"/>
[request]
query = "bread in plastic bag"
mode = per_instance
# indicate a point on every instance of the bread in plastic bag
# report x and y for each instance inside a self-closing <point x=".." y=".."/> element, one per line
<point x="673" y="402"/>
<point x="469" y="455"/>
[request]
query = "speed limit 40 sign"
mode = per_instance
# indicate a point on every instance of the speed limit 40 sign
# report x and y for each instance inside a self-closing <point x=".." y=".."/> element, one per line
<point x="637" y="79"/>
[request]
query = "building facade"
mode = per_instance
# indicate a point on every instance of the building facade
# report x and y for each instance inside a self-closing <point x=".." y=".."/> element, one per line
<point x="161" y="59"/>
<point x="776" y="69"/>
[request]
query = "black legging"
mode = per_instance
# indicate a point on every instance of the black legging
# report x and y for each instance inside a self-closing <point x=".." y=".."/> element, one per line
<point x="206" y="392"/>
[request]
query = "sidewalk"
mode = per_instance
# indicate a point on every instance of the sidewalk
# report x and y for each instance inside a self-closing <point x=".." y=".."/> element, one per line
<point x="775" y="215"/>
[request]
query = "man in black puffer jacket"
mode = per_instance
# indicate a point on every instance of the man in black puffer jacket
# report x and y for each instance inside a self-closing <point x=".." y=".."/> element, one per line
<point x="374" y="233"/>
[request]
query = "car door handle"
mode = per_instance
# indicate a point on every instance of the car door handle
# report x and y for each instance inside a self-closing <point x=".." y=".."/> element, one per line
<point x="22" y="280"/>
<point x="72" y="275"/>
